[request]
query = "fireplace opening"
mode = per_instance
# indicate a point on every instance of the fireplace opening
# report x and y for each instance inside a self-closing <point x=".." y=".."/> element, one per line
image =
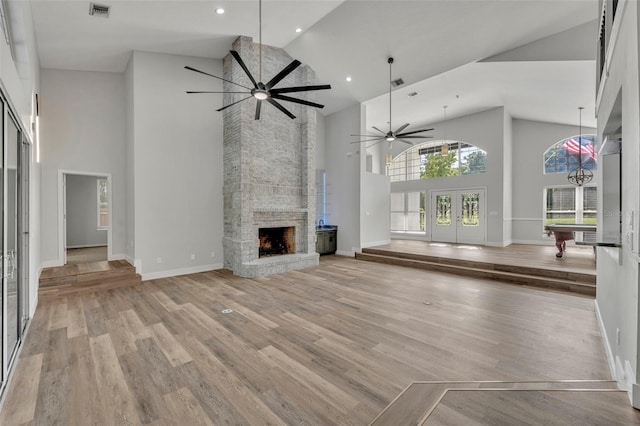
<point x="276" y="241"/>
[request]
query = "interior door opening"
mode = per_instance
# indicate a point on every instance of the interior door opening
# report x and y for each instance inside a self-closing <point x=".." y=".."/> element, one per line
<point x="86" y="218"/>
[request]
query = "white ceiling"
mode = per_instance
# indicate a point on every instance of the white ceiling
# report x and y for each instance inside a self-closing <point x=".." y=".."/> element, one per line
<point x="435" y="43"/>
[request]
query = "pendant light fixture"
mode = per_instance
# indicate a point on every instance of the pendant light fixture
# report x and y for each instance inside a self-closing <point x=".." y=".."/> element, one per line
<point x="444" y="149"/>
<point x="580" y="175"/>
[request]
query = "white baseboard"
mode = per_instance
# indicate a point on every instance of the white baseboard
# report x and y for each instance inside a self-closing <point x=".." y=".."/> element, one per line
<point x="346" y="253"/>
<point x="376" y="243"/>
<point x="535" y="242"/>
<point x="497" y="244"/>
<point x="118" y="256"/>
<point x="605" y="340"/>
<point x="86" y="246"/>
<point x="181" y="271"/>
<point x="50" y="264"/>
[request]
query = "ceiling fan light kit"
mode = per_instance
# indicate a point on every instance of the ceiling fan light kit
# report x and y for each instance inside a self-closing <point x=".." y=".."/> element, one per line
<point x="261" y="91"/>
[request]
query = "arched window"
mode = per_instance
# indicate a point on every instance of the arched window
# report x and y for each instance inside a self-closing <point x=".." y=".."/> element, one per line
<point x="437" y="159"/>
<point x="562" y="156"/>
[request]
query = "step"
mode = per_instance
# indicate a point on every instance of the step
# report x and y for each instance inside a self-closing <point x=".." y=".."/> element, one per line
<point x="519" y="269"/>
<point x="477" y="272"/>
<point x="63" y="290"/>
<point x="85" y="273"/>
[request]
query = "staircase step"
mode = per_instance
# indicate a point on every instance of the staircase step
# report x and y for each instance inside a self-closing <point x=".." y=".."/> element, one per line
<point x="519" y="269"/>
<point x="477" y="271"/>
<point x="86" y="277"/>
<point x="54" y="292"/>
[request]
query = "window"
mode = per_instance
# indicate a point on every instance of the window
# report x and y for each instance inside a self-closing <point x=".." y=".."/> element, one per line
<point x="103" y="204"/>
<point x="437" y="159"/>
<point x="407" y="211"/>
<point x="572" y="205"/>
<point x="562" y="157"/>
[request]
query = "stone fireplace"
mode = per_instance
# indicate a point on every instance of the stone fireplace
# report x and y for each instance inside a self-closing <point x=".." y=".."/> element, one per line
<point x="269" y="170"/>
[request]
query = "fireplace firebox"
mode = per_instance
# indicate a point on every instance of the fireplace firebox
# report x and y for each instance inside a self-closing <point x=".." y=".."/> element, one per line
<point x="276" y="241"/>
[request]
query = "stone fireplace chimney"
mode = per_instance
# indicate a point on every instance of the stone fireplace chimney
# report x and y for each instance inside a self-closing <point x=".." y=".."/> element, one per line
<point x="269" y="167"/>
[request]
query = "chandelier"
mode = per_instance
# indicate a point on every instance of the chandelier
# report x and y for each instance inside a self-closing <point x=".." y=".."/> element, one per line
<point x="580" y="175"/>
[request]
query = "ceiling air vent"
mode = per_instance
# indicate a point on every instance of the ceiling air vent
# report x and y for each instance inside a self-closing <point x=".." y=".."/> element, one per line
<point x="99" y="10"/>
<point x="397" y="82"/>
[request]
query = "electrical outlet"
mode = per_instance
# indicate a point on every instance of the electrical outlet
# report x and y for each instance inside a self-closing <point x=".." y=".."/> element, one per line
<point x="193" y="256"/>
<point x="213" y="254"/>
<point x="158" y="260"/>
<point x="618" y="336"/>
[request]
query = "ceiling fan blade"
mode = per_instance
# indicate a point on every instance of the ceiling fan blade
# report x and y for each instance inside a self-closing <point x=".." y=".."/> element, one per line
<point x="379" y="130"/>
<point x="368" y="140"/>
<point x="232" y="104"/>
<point x="282" y="74"/>
<point x="244" y="67"/>
<point x="193" y="91"/>
<point x="367" y="136"/>
<point x="300" y="89"/>
<point x="215" y="76"/>
<point x="412" y="132"/>
<point x="296" y="101"/>
<point x="403" y="141"/>
<point x="401" y="128"/>
<point x="258" y="105"/>
<point x="280" y="107"/>
<point x="415" y="137"/>
<point x="374" y="144"/>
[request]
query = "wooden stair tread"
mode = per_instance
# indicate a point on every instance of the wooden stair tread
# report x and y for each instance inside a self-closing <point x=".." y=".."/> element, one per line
<point x="533" y="280"/>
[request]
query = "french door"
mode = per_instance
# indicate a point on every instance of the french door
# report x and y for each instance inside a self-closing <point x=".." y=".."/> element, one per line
<point x="458" y="216"/>
<point x="15" y="158"/>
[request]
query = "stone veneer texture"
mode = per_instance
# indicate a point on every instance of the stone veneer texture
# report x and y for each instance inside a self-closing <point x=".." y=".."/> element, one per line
<point x="269" y="172"/>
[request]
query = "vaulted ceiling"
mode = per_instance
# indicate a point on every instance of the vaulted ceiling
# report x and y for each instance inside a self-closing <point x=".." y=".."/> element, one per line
<point x="538" y="54"/>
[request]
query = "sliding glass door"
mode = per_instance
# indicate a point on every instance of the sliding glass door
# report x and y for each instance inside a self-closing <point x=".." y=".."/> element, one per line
<point x="15" y="157"/>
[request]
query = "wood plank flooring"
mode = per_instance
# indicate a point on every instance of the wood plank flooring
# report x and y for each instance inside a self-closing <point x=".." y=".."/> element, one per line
<point x="333" y="344"/>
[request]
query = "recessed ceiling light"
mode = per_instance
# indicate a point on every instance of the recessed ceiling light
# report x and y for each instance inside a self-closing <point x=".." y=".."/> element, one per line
<point x="298" y="30"/>
<point x="348" y="78"/>
<point x="220" y="11"/>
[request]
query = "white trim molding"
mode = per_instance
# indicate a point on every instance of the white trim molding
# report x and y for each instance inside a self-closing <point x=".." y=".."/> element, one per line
<point x="181" y="271"/>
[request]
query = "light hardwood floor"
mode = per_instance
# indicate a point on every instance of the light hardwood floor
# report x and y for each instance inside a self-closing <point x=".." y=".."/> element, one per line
<point x="333" y="344"/>
<point x="86" y="255"/>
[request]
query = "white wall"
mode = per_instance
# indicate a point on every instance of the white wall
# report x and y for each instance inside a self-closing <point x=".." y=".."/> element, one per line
<point x="320" y="143"/>
<point x="130" y="200"/>
<point x="342" y="164"/>
<point x="507" y="179"/>
<point x="531" y="140"/>
<point x="375" y="218"/>
<point x="486" y="131"/>
<point x="82" y="124"/>
<point x="617" y="268"/>
<point x="82" y="213"/>
<point x="177" y="150"/>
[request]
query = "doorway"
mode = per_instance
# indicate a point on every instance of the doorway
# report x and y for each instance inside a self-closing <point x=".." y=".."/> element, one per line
<point x="458" y="216"/>
<point x="85" y="217"/>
